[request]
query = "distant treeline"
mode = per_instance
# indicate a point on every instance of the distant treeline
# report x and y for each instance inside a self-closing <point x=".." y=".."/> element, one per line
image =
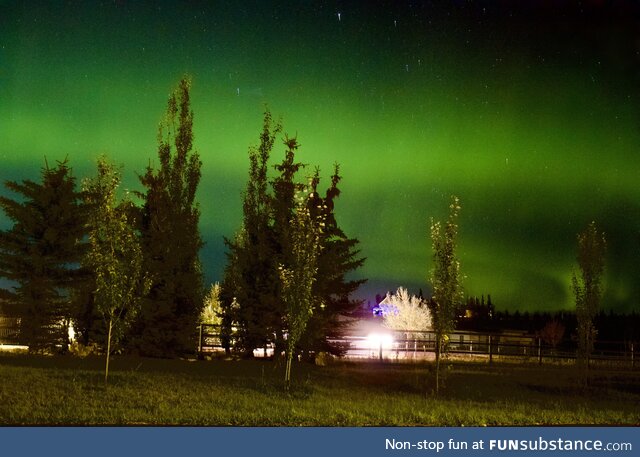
<point x="610" y="326"/>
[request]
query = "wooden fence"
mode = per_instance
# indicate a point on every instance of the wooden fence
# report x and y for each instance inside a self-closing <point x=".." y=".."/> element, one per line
<point x="420" y="345"/>
<point x="9" y="334"/>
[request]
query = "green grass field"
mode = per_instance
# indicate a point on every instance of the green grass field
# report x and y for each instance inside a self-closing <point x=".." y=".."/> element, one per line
<point x="71" y="391"/>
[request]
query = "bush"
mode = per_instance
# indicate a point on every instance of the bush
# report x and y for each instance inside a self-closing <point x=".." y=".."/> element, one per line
<point x="80" y="350"/>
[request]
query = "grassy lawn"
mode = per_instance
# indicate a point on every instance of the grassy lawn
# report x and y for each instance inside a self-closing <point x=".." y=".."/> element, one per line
<point x="71" y="391"/>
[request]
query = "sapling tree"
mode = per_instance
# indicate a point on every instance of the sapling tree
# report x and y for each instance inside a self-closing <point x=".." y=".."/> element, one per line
<point x="298" y="277"/>
<point x="114" y="255"/>
<point x="587" y="287"/>
<point x="552" y="333"/>
<point x="446" y="281"/>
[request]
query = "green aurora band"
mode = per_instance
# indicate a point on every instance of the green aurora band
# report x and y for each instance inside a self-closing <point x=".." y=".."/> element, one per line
<point x="530" y="115"/>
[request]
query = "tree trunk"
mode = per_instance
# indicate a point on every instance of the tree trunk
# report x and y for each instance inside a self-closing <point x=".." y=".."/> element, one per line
<point x="438" y="349"/>
<point x="287" y="372"/>
<point x="279" y="345"/>
<point x="106" y="370"/>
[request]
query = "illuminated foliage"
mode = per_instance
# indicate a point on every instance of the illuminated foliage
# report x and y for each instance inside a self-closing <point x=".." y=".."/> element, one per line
<point x="405" y="312"/>
<point x="212" y="310"/>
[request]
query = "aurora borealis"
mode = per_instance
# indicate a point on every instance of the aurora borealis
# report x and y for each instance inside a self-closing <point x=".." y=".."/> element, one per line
<point x="528" y="111"/>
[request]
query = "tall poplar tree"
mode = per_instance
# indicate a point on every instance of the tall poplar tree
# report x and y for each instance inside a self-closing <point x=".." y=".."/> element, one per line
<point x="587" y="287"/>
<point x="446" y="281"/>
<point x="170" y="236"/>
<point x="41" y="254"/>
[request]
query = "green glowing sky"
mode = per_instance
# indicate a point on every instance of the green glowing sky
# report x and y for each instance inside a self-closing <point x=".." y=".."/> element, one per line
<point x="529" y="115"/>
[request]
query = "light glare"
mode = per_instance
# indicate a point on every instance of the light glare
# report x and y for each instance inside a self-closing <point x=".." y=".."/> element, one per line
<point x="376" y="340"/>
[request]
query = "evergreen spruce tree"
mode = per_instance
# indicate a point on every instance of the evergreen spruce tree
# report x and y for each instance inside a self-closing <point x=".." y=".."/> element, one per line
<point x="338" y="257"/>
<point x="170" y="237"/>
<point x="250" y="289"/>
<point x="252" y="293"/>
<point x="282" y="203"/>
<point x="87" y="322"/>
<point x="283" y="217"/>
<point x="232" y="287"/>
<point x="41" y="254"/>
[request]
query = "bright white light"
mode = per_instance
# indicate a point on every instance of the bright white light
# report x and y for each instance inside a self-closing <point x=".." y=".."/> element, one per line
<point x="376" y="340"/>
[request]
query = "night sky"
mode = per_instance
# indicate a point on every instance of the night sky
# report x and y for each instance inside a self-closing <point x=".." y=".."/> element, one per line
<point x="529" y="113"/>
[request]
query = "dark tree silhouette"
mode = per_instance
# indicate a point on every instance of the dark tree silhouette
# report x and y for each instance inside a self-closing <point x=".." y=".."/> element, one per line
<point x="338" y="257"/>
<point x="170" y="236"/>
<point x="586" y="287"/>
<point x="250" y="289"/>
<point x="252" y="293"/>
<point x="41" y="254"/>
<point x="552" y="333"/>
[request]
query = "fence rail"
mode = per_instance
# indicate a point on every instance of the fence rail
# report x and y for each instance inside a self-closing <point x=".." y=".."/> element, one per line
<point x="418" y="345"/>
<point x="9" y="334"/>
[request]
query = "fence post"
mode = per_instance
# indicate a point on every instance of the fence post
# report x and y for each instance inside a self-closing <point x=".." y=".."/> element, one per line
<point x="539" y="351"/>
<point x="490" y="351"/>
<point x="200" y="342"/>
<point x="381" y="349"/>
